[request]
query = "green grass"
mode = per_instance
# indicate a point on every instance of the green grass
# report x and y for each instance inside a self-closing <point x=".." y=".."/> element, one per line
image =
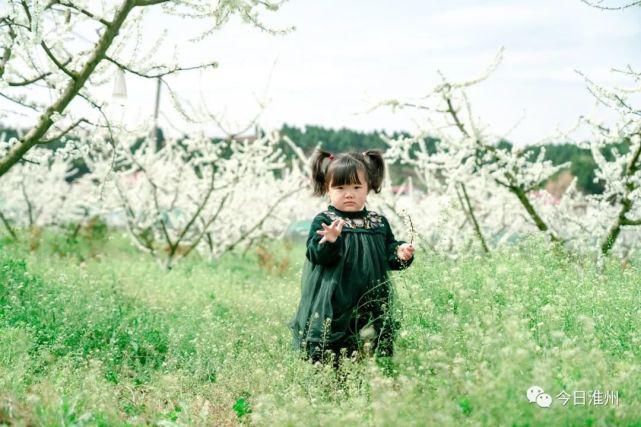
<point x="94" y="333"/>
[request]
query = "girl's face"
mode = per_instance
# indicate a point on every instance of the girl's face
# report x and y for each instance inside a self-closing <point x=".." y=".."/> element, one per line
<point x="349" y="197"/>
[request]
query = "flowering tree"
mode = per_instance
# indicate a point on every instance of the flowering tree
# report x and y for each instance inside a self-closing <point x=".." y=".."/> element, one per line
<point x="468" y="155"/>
<point x="63" y="50"/>
<point x="37" y="193"/>
<point x="194" y="193"/>
<point x="622" y="175"/>
<point x="468" y="164"/>
<point x="190" y="194"/>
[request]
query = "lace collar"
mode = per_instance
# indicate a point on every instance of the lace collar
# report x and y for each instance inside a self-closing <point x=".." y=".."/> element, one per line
<point x="363" y="219"/>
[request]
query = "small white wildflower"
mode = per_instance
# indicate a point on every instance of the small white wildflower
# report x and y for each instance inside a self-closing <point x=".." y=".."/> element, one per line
<point x="367" y="333"/>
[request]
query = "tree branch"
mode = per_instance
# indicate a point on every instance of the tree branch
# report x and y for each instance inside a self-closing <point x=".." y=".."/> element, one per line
<point x="512" y="184"/>
<point x="160" y="74"/>
<point x="64" y="132"/>
<point x="259" y="223"/>
<point x="28" y="202"/>
<point x="7" y="50"/>
<point x="26" y="10"/>
<point x="625" y="6"/>
<point x="200" y="208"/>
<point x="627" y="221"/>
<point x="8" y="227"/>
<point x="206" y="226"/>
<point x="83" y="11"/>
<point x="470" y="212"/>
<point x="31" y="106"/>
<point x="626" y="205"/>
<point x="70" y="92"/>
<point x="149" y="2"/>
<point x="57" y="62"/>
<point x="141" y="238"/>
<point x="32" y="80"/>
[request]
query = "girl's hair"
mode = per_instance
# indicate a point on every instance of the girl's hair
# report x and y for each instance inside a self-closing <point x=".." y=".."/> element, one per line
<point x="342" y="169"/>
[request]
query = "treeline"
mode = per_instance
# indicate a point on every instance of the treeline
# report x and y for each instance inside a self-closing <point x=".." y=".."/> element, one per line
<point x="582" y="163"/>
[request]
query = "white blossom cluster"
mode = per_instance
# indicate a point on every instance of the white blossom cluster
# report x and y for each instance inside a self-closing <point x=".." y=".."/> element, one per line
<point x="195" y="193"/>
<point x="477" y="189"/>
<point x="56" y="57"/>
<point x="39" y="194"/>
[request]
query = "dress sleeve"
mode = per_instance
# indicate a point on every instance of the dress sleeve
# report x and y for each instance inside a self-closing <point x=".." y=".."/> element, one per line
<point x="395" y="263"/>
<point x="326" y="253"/>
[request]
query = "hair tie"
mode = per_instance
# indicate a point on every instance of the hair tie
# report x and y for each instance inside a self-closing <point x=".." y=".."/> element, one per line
<point x="331" y="157"/>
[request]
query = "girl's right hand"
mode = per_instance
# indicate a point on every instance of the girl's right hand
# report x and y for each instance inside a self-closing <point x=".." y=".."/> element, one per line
<point x="331" y="232"/>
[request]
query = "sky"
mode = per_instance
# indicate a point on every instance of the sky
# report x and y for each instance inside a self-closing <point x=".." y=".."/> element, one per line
<point x="346" y="56"/>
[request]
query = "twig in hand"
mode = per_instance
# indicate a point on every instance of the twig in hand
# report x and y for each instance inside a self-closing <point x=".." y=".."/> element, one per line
<point x="411" y="225"/>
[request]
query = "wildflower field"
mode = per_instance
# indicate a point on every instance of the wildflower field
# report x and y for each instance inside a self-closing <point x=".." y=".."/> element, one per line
<point x="95" y="333"/>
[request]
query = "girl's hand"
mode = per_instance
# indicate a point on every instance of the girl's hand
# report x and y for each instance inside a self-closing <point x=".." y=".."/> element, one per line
<point x="405" y="251"/>
<point x="330" y="233"/>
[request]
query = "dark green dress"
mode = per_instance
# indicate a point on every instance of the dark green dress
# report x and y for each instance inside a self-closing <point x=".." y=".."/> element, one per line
<point x="345" y="285"/>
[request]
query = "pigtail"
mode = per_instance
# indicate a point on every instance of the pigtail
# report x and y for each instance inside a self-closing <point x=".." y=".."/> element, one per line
<point x="375" y="169"/>
<point x="319" y="171"/>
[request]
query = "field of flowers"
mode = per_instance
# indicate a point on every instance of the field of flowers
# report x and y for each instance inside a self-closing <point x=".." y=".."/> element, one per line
<point x="95" y="333"/>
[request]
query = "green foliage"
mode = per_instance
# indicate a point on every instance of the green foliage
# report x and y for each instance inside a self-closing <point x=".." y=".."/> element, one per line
<point x="119" y="341"/>
<point x="582" y="164"/>
<point x="242" y="407"/>
<point x="100" y="323"/>
<point x="80" y="240"/>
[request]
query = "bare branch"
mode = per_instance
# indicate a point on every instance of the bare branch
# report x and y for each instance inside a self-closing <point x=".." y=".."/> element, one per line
<point x="454" y="114"/>
<point x="612" y="96"/>
<point x="469" y="211"/>
<point x="81" y="10"/>
<point x="206" y="226"/>
<point x="112" y="139"/>
<point x="57" y="61"/>
<point x="244" y="235"/>
<point x="37" y="78"/>
<point x="32" y="80"/>
<point x="26" y="10"/>
<point x="627" y="221"/>
<point x="160" y="74"/>
<point x="65" y="131"/>
<point x="200" y="208"/>
<point x="625" y="6"/>
<point x="141" y="237"/>
<point x="461" y="85"/>
<point x="629" y="71"/>
<point x="31" y="106"/>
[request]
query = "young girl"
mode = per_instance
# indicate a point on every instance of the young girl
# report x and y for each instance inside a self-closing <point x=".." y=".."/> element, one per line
<point x="346" y="292"/>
